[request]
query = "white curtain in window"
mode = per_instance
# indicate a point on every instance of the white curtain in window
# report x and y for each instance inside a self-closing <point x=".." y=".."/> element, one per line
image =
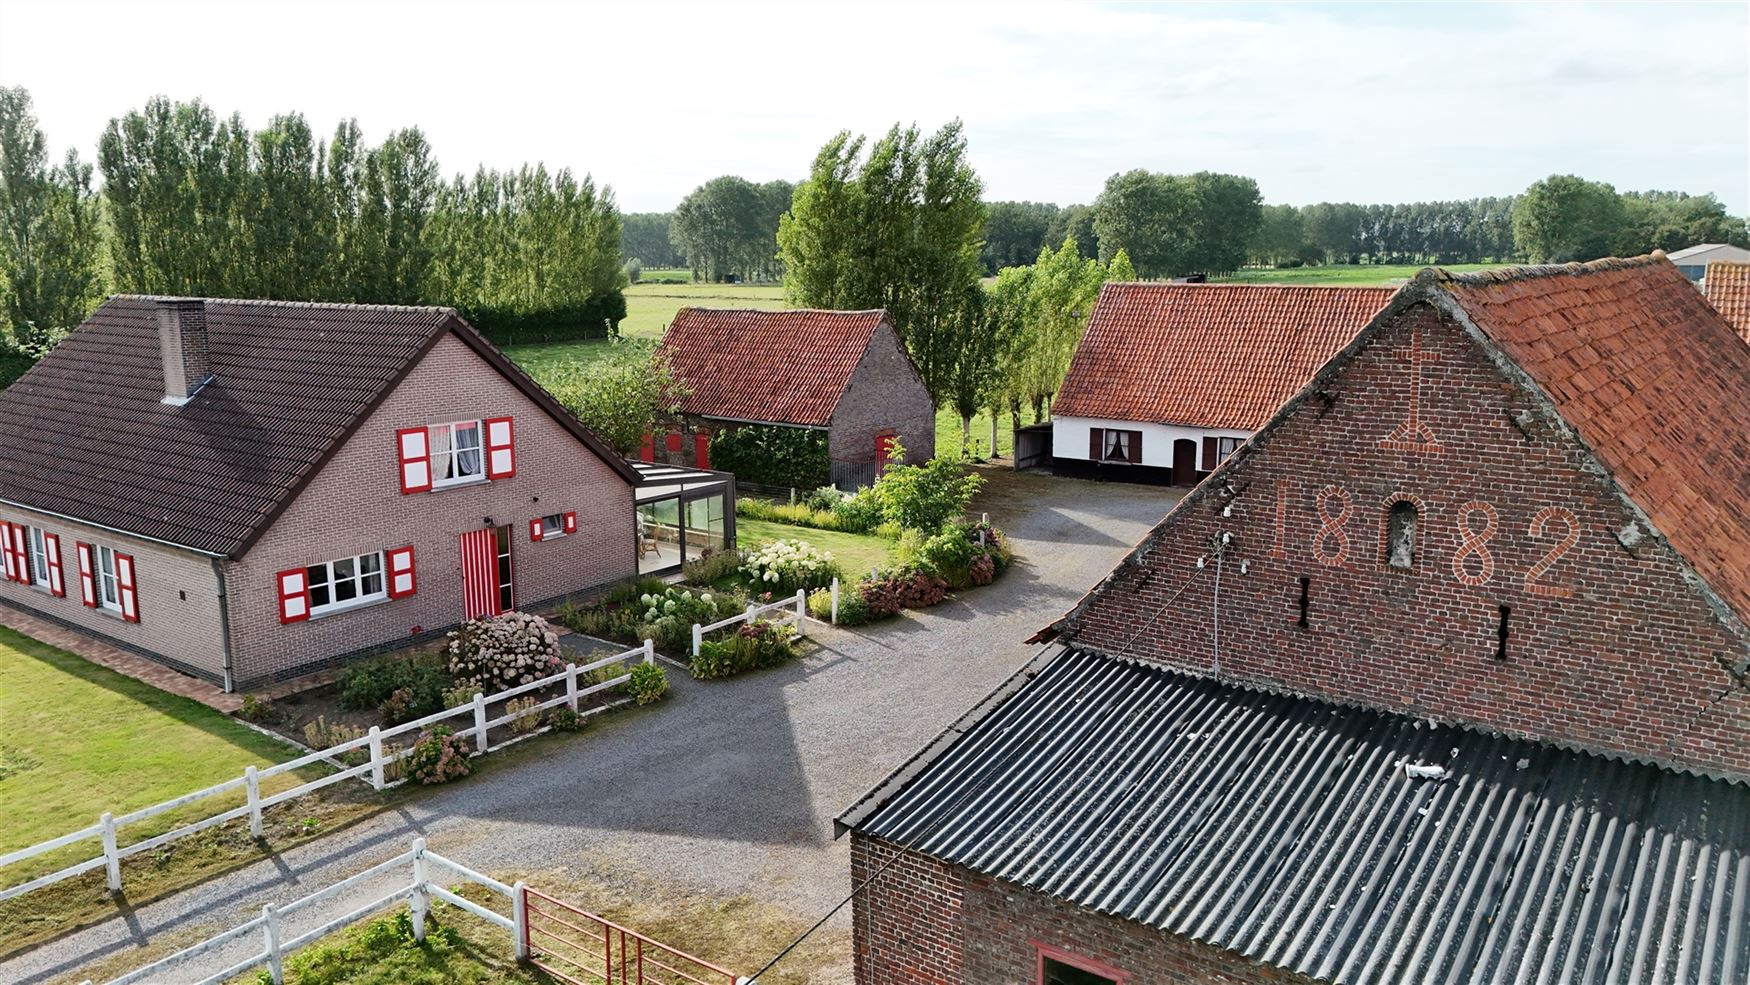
<point x="467" y="441"/>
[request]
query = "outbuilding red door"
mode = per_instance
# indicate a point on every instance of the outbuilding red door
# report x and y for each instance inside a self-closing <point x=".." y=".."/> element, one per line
<point x="486" y="581"/>
<point x="883" y="450"/>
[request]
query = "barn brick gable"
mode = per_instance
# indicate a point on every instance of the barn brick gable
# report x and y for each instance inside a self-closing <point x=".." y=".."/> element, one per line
<point x="1610" y="642"/>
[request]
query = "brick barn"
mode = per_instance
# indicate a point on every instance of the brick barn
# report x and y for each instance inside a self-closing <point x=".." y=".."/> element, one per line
<point x="843" y="373"/>
<point x="1462" y="700"/>
<point x="249" y="490"/>
<point x="1170" y="378"/>
<point x="1728" y="290"/>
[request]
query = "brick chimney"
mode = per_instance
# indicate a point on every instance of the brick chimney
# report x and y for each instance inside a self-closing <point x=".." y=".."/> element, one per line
<point x="182" y="346"/>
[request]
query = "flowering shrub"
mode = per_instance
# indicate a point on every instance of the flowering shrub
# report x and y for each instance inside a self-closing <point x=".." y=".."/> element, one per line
<point x="668" y="617"/>
<point x="783" y="566"/>
<point x="751" y="646"/>
<point x="563" y="719"/>
<point x="648" y="684"/>
<point x="527" y="717"/>
<point x="983" y="570"/>
<point x="888" y="594"/>
<point x="439" y="756"/>
<point x="491" y="654"/>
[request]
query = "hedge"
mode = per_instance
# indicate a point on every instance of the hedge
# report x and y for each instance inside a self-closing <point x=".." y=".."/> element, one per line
<point x="507" y="326"/>
<point x="770" y="455"/>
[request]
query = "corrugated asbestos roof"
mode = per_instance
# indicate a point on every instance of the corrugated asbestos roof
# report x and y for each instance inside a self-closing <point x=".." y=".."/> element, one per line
<point x="1289" y="830"/>
<point x="84" y="433"/>
<point x="1208" y="355"/>
<point x="1728" y="290"/>
<point x="781" y="367"/>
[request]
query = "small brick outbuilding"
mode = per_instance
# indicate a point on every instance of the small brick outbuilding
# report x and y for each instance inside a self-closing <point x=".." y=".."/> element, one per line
<point x="845" y="373"/>
<point x="1443" y="677"/>
<point x="250" y="490"/>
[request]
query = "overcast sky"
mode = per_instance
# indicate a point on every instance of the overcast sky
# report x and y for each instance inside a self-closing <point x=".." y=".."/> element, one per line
<point x="1340" y="102"/>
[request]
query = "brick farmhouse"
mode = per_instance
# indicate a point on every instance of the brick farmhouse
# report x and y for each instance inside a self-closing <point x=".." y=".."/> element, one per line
<point x="248" y="490"/>
<point x="845" y="373"/>
<point x="1170" y="378"/>
<point x="1442" y="677"/>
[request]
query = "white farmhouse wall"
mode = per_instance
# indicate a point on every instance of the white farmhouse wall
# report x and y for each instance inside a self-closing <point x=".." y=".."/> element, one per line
<point x="1069" y="438"/>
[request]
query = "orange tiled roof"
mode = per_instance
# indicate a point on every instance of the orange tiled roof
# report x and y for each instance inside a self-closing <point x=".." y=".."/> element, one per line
<point x="781" y="367"/>
<point x="1728" y="290"/>
<point x="1208" y="355"/>
<point x="1652" y="379"/>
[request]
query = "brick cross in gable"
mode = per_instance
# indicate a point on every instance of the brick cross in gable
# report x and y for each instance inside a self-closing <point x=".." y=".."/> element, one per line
<point x="1413" y="434"/>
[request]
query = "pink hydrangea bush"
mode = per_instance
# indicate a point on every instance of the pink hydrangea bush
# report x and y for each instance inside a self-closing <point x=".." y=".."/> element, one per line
<point x="439" y="756"/>
<point x="498" y="652"/>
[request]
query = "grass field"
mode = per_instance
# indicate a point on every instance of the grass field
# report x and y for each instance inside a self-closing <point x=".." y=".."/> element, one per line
<point x="856" y="553"/>
<point x="1382" y="275"/>
<point x="77" y="739"/>
<point x="650" y="307"/>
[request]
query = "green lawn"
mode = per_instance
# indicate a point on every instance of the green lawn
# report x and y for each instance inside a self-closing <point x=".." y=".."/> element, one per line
<point x="666" y="273"/>
<point x="948" y="434"/>
<point x="77" y="739"/>
<point x="1345" y="275"/>
<point x="856" y="553"/>
<point x="650" y="307"/>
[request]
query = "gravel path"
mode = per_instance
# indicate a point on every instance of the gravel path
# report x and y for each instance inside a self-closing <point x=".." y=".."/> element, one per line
<point x="729" y="787"/>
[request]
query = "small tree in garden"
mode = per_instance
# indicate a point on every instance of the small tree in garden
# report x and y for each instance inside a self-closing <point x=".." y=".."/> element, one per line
<point x="622" y="396"/>
<point x="924" y="497"/>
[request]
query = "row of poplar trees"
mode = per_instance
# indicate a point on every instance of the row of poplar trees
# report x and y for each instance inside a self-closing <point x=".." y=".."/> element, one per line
<point x="193" y="204"/>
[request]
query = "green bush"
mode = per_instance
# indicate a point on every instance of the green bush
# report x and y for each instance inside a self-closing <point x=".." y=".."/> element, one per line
<point x="951" y="553"/>
<point x="563" y="719"/>
<point x="823" y="499"/>
<point x="924" y="497"/>
<point x="852" y="611"/>
<point x="752" y="646"/>
<point x="372" y="683"/>
<point x="439" y="756"/>
<point x="594" y="318"/>
<point x="255" y="709"/>
<point x="668" y="617"/>
<point x="857" y="514"/>
<point x="712" y="568"/>
<point x="13" y="364"/>
<point x="773" y="456"/>
<point x="648" y="684"/>
<point x="628" y="591"/>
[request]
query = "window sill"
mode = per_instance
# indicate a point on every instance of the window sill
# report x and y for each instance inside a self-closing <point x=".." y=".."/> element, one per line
<point x="547" y="537"/>
<point x="459" y="483"/>
<point x="352" y="605"/>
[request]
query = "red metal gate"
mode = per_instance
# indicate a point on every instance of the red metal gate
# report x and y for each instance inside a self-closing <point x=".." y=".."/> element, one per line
<point x="581" y="948"/>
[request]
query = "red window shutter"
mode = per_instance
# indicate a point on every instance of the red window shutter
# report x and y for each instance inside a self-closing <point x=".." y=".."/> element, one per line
<point x="674" y="442"/>
<point x="294" y="590"/>
<point x="1209" y="461"/>
<point x="21" y="552"/>
<point x="52" y="548"/>
<point x="535" y="530"/>
<point x="701" y="450"/>
<point x="647" y="449"/>
<point x="571" y="523"/>
<point x="1096" y="444"/>
<point x="1136" y="447"/>
<point x="500" y="449"/>
<point x="402" y="582"/>
<point x="87" y="577"/>
<point x="6" y="552"/>
<point x="124" y="587"/>
<point x="413" y="446"/>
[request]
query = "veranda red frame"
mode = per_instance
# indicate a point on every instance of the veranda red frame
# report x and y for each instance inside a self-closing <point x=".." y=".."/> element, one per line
<point x="1044" y="951"/>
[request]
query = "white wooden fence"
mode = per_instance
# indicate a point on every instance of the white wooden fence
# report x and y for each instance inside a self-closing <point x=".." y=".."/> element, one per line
<point x="799" y="603"/>
<point x="374" y="768"/>
<point x="418" y="896"/>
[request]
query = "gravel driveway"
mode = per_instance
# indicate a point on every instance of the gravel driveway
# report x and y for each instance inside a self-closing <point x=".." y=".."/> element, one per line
<point x="728" y="788"/>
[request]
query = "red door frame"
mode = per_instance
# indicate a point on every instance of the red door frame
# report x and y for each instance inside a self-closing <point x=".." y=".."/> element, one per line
<point x="480" y="573"/>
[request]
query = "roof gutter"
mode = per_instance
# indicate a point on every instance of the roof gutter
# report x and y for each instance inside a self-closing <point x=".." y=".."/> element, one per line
<point x="771" y="424"/>
<point x="114" y="530"/>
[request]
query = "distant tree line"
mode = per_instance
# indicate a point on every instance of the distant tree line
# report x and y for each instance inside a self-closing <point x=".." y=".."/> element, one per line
<point x="644" y="240"/>
<point x="192" y="204"/>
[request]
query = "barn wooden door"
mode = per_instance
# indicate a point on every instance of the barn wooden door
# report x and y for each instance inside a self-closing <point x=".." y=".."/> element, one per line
<point x="883" y="450"/>
<point x="486" y="572"/>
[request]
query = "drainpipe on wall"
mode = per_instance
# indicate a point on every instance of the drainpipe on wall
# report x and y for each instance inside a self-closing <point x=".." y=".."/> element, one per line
<point x="224" y="619"/>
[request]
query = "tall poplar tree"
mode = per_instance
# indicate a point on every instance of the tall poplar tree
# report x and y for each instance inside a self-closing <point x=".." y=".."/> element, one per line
<point x="49" y="232"/>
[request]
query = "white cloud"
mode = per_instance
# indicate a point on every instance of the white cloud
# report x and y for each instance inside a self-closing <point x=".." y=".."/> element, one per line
<point x="1362" y="102"/>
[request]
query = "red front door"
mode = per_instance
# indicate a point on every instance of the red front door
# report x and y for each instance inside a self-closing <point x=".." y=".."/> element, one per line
<point x="487" y="586"/>
<point x="883" y="450"/>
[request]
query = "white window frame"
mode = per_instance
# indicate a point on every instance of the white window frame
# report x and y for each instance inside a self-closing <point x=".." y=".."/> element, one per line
<point x="103" y="580"/>
<point x="1225" y="447"/>
<point x="36" y="550"/>
<point x="441" y="460"/>
<point x="552" y="526"/>
<point x="321" y="574"/>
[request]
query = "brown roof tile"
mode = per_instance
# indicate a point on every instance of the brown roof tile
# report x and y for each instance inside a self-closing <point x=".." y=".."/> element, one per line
<point x="1208" y="355"/>
<point x="782" y="367"/>
<point x="1652" y="379"/>
<point x="85" y="434"/>
<point x="1728" y="290"/>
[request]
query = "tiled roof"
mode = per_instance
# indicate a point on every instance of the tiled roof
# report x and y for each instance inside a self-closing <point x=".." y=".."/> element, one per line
<point x="779" y="367"/>
<point x="1207" y="355"/>
<point x="84" y="433"/>
<point x="1654" y="381"/>
<point x="1728" y="290"/>
<point x="1292" y="831"/>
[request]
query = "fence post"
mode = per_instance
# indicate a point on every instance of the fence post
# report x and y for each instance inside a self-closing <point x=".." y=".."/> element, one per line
<point x="835" y="601"/>
<point x="479" y="721"/>
<point x="111" y="860"/>
<point x="420" y="902"/>
<point x="984" y="521"/>
<point x="571" y="686"/>
<point x="376" y="758"/>
<point x="519" y="915"/>
<point x="650" y="651"/>
<point x="252" y="783"/>
<point x="801" y="614"/>
<point x="697" y="636"/>
<point x="270" y="928"/>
